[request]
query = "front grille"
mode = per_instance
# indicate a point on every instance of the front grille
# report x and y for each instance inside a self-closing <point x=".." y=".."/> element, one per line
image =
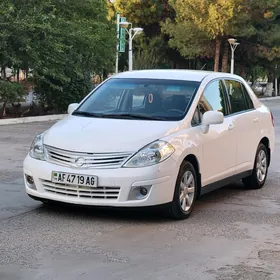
<point x="81" y="191"/>
<point x="88" y="160"/>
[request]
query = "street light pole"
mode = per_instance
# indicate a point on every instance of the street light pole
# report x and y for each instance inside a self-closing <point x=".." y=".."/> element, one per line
<point x="233" y="46"/>
<point x="276" y="81"/>
<point x="130" y="49"/>
<point x="118" y="37"/>
<point x="132" y="32"/>
<point x="232" y="60"/>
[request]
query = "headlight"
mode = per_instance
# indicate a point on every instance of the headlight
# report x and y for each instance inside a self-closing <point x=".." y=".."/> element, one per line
<point x="154" y="153"/>
<point x="37" y="148"/>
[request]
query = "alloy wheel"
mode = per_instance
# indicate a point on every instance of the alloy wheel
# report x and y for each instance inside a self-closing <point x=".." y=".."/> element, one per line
<point x="187" y="191"/>
<point x="261" y="167"/>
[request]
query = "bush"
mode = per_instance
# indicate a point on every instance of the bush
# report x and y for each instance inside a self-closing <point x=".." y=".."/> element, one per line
<point x="56" y="95"/>
<point x="10" y="92"/>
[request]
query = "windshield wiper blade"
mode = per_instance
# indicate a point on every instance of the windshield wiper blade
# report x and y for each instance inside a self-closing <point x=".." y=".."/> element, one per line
<point x="120" y="116"/>
<point x="133" y="116"/>
<point x="87" y="114"/>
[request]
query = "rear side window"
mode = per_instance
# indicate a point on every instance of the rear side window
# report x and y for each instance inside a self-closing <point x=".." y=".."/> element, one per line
<point x="236" y="96"/>
<point x="248" y="98"/>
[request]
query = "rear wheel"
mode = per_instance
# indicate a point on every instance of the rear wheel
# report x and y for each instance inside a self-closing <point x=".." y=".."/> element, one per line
<point x="258" y="177"/>
<point x="185" y="192"/>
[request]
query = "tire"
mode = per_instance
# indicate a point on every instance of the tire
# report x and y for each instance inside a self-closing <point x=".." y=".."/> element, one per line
<point x="184" y="197"/>
<point x="258" y="177"/>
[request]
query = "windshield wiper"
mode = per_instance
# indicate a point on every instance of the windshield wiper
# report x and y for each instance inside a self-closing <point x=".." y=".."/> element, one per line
<point x="87" y="114"/>
<point x="117" y="116"/>
<point x="133" y="116"/>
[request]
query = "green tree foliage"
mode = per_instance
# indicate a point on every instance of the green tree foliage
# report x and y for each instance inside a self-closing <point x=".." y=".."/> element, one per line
<point x="148" y="14"/>
<point x="61" y="94"/>
<point x="150" y="53"/>
<point x="202" y="26"/>
<point x="188" y="39"/>
<point x="9" y="93"/>
<point x="62" y="41"/>
<point x="260" y="51"/>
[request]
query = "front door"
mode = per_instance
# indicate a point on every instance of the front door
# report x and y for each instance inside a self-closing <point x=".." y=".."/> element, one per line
<point x="219" y="145"/>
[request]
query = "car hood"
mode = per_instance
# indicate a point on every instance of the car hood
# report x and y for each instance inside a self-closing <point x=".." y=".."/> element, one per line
<point x="100" y="135"/>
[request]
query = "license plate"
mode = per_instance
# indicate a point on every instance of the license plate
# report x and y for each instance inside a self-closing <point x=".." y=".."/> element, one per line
<point x="74" y="179"/>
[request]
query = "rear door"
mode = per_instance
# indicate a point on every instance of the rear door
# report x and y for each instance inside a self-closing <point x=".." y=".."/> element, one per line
<point x="246" y="121"/>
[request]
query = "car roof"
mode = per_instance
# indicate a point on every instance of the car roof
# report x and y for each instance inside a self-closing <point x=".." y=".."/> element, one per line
<point x="171" y="74"/>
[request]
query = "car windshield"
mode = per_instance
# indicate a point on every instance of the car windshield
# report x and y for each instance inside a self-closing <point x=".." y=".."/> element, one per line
<point x="146" y="99"/>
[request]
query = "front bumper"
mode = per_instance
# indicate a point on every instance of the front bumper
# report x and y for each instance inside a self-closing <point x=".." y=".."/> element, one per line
<point x="160" y="180"/>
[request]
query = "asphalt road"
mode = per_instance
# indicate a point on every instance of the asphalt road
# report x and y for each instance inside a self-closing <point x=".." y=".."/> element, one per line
<point x="233" y="234"/>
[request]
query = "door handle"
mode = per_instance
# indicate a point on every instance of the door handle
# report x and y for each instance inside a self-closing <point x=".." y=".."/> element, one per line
<point x="256" y="120"/>
<point x="231" y="127"/>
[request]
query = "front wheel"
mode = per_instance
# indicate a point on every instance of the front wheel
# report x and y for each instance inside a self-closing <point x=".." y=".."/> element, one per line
<point x="258" y="177"/>
<point x="185" y="192"/>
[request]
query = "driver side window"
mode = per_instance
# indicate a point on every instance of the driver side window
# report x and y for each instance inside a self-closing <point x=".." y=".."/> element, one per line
<point x="213" y="98"/>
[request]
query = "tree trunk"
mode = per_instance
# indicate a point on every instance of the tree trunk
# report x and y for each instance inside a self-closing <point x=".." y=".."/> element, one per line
<point x="3" y="72"/>
<point x="242" y="71"/>
<point x="253" y="77"/>
<point x="2" y="112"/>
<point x="269" y="86"/>
<point x="18" y="75"/>
<point x="105" y="74"/>
<point x="195" y="64"/>
<point x="217" y="55"/>
<point x="225" y="58"/>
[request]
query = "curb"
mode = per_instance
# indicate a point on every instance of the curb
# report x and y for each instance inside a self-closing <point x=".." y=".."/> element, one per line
<point x="269" y="98"/>
<point x="32" y="119"/>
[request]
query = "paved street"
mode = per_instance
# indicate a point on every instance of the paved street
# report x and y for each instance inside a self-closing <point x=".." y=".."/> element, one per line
<point x="233" y="234"/>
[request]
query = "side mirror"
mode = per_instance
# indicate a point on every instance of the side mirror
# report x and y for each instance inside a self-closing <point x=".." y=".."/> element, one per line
<point x="210" y="118"/>
<point x="72" y="107"/>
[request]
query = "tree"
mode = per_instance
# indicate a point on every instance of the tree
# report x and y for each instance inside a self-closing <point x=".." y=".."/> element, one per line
<point x="268" y="47"/>
<point x="9" y="93"/>
<point x="59" y="41"/>
<point x="259" y="51"/>
<point x="87" y="40"/>
<point x="149" y="15"/>
<point x="190" y="41"/>
<point x="147" y="55"/>
<point x="203" y="25"/>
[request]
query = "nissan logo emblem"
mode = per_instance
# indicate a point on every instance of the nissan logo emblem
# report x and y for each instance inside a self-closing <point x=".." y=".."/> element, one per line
<point x="80" y="161"/>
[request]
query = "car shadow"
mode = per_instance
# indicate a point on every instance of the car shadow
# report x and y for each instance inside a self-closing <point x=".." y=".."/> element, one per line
<point x="154" y="215"/>
<point x="226" y="192"/>
<point x="139" y="215"/>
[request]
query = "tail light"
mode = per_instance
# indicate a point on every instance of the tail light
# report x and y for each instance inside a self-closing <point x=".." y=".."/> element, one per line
<point x="272" y="119"/>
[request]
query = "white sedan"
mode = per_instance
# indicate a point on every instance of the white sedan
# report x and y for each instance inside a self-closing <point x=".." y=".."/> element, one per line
<point x="153" y="137"/>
